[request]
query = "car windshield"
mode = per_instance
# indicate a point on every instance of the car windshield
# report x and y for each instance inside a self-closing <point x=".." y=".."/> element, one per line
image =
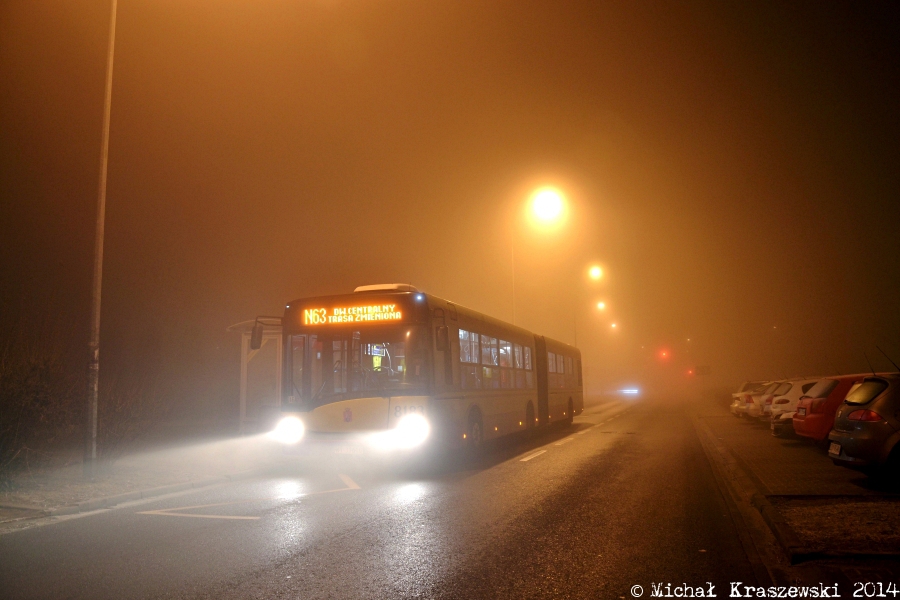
<point x="337" y="364"/>
<point x="783" y="389"/>
<point x="771" y="388"/>
<point x="866" y="391"/>
<point x="822" y="388"/>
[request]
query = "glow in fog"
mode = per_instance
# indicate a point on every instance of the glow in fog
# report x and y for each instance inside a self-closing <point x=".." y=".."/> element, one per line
<point x="288" y="490"/>
<point x="411" y="431"/>
<point x="288" y="431"/>
<point x="409" y="493"/>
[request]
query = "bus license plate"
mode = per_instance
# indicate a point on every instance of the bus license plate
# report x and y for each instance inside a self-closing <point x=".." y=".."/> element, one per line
<point x="834" y="448"/>
<point x="801" y="412"/>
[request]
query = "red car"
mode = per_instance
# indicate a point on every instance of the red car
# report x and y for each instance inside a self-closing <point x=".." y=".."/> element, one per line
<point x="815" y="411"/>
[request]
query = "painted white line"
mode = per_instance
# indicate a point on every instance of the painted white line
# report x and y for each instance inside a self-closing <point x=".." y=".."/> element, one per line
<point x="351" y="485"/>
<point x="561" y="442"/>
<point x="178" y="511"/>
<point x="174" y="514"/>
<point x="586" y="430"/>
<point x="530" y="456"/>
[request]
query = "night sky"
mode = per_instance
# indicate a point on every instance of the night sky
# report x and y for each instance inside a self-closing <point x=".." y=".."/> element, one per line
<point x="734" y="167"/>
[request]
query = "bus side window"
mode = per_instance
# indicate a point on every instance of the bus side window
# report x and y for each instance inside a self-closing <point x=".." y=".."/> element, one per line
<point x="506" y="365"/>
<point x="529" y="369"/>
<point x="519" y="365"/>
<point x="551" y="369"/>
<point x="468" y="356"/>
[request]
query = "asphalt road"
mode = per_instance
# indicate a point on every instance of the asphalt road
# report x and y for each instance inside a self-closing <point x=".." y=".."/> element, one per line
<point x="624" y="497"/>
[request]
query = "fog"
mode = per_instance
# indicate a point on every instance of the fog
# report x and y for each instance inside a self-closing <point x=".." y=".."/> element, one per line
<point x="733" y="166"/>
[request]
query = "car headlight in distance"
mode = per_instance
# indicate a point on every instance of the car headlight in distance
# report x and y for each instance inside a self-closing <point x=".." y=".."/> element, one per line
<point x="288" y="431"/>
<point x="411" y="431"/>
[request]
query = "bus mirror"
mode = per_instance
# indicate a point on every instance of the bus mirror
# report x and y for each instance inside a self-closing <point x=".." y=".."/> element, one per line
<point x="256" y="336"/>
<point x="443" y="338"/>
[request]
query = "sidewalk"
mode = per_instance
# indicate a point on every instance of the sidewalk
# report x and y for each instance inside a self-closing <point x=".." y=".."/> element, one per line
<point x="815" y="509"/>
<point x="55" y="492"/>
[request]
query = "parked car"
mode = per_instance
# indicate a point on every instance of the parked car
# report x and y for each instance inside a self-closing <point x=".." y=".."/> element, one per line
<point x="757" y="401"/>
<point x="746" y="399"/>
<point x="737" y="398"/>
<point x="779" y="409"/>
<point x="782" y="425"/>
<point x="814" y="417"/>
<point x="867" y="426"/>
<point x="786" y="397"/>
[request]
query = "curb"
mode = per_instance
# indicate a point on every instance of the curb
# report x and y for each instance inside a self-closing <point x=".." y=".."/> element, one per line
<point x="110" y="501"/>
<point x="738" y="507"/>
<point x="783" y="532"/>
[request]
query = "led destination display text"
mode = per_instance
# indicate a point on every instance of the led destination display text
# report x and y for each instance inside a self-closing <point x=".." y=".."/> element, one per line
<point x="352" y="314"/>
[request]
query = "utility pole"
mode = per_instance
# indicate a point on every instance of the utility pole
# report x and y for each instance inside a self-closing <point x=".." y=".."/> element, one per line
<point x="93" y="387"/>
<point x="512" y="245"/>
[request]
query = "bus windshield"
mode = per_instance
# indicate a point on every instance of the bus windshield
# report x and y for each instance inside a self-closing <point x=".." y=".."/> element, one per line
<point x="328" y="365"/>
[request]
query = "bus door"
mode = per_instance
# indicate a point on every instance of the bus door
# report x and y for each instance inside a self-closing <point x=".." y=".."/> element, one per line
<point x="540" y="363"/>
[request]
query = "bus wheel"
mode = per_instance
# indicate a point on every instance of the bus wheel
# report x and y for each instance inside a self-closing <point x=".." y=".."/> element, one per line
<point x="475" y="433"/>
<point x="530" y="421"/>
<point x="570" y="414"/>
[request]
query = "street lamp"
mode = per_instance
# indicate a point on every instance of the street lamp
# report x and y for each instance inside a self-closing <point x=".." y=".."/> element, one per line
<point x="93" y="387"/>
<point x="547" y="204"/>
<point x="546" y="209"/>
<point x="601" y="306"/>
<point x="595" y="272"/>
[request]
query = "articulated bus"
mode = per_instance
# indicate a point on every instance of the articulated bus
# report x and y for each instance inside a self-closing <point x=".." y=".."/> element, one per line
<point x="396" y="367"/>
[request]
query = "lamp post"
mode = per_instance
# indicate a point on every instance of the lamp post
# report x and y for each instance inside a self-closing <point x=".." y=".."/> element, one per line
<point x="93" y="387"/>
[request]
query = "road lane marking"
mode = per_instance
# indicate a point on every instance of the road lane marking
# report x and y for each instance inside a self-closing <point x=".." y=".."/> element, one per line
<point x="530" y="456"/>
<point x="351" y="485"/>
<point x="178" y="511"/>
<point x="584" y="431"/>
<point x="561" y="442"/>
<point x="174" y="514"/>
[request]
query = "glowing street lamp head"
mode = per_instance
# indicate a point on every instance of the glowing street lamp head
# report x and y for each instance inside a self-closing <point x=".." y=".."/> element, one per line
<point x="601" y="306"/>
<point x="613" y="326"/>
<point x="547" y="205"/>
<point x="595" y="272"/>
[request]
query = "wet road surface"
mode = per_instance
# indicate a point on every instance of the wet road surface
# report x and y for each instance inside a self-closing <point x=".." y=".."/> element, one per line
<point x="624" y="497"/>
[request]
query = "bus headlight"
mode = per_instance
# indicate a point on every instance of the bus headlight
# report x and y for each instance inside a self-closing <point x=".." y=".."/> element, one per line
<point x="288" y="431"/>
<point x="411" y="431"/>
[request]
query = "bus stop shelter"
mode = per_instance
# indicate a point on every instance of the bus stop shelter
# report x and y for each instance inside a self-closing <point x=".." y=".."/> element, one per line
<point x="260" y="394"/>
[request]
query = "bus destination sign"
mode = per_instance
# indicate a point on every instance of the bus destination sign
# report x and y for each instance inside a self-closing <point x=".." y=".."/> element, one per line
<point x="352" y="314"/>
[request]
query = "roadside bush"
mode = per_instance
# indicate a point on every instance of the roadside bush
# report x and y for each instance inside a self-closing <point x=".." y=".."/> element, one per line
<point x="42" y="405"/>
<point x="39" y="407"/>
<point x="130" y="408"/>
